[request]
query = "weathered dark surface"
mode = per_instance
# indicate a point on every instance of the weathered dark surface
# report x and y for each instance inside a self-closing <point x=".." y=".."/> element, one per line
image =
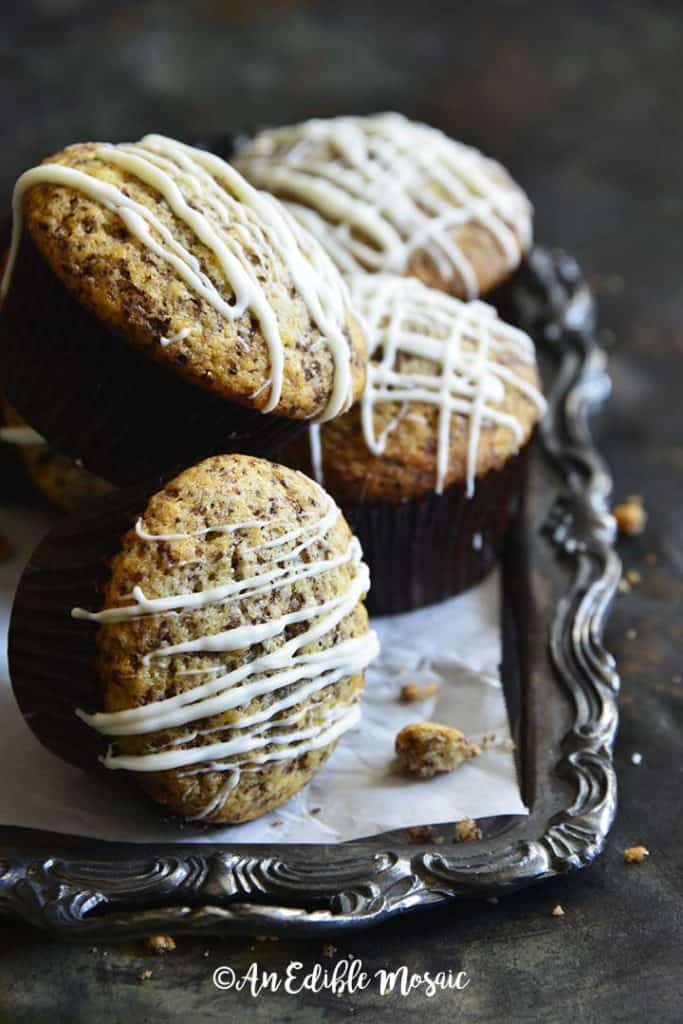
<point x="584" y="106"/>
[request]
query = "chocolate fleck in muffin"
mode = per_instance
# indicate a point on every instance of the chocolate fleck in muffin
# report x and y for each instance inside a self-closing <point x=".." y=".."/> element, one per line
<point x="232" y="639"/>
<point x="428" y="466"/>
<point x="386" y="194"/>
<point x="59" y="479"/>
<point x="158" y="308"/>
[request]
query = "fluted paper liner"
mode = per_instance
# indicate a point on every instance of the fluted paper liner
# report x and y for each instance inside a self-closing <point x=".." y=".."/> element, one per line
<point x="99" y="400"/>
<point x="430" y="548"/>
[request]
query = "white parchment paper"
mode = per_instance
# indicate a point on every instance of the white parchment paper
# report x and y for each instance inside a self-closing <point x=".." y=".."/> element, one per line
<point x="456" y="644"/>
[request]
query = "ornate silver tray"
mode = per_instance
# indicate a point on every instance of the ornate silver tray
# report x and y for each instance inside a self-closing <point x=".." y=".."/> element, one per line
<point x="560" y="573"/>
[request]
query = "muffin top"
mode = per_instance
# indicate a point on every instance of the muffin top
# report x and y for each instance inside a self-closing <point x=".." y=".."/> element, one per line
<point x="452" y="392"/>
<point x="233" y="607"/>
<point x="383" y="193"/>
<point x="174" y="250"/>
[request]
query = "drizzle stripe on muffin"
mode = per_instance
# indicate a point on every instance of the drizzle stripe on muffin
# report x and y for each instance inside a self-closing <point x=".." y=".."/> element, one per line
<point x="180" y="174"/>
<point x="378" y="190"/>
<point x="288" y="675"/>
<point x="467" y="345"/>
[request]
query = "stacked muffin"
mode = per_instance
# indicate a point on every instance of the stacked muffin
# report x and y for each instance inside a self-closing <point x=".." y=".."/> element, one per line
<point x="429" y="466"/>
<point x="159" y="312"/>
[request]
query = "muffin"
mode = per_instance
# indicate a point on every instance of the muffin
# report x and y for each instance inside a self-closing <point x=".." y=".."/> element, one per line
<point x="59" y="479"/>
<point x="158" y="308"/>
<point x="429" y="466"/>
<point x="232" y="640"/>
<point x="386" y="194"/>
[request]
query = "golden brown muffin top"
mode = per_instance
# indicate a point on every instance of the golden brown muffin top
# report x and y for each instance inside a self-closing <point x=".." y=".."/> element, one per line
<point x="172" y="248"/>
<point x="452" y="392"/>
<point x="386" y="194"/>
<point x="233" y="611"/>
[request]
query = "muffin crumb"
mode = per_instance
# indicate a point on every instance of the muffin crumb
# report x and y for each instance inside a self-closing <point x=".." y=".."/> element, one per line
<point x="425" y="748"/>
<point x="159" y="944"/>
<point x="145" y="975"/>
<point x="636" y="854"/>
<point x="467" y="831"/>
<point x="631" y="516"/>
<point x="329" y="950"/>
<point x="557" y="911"/>
<point x="634" y="577"/>
<point x="411" y="692"/>
<point x="420" y="833"/>
<point x="636" y="758"/>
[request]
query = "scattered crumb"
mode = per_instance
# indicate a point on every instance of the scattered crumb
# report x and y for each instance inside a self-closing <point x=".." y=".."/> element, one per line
<point x="630" y="515"/>
<point x="93" y="949"/>
<point x="206" y="952"/>
<point x="467" y="831"/>
<point x="329" y="949"/>
<point x="557" y="911"/>
<point x="636" y="854"/>
<point x="636" y="758"/>
<point x="159" y="944"/>
<point x="420" y="833"/>
<point x="277" y="824"/>
<point x="439" y="840"/>
<point x="425" y="748"/>
<point x="316" y="810"/>
<point x="490" y="740"/>
<point x="145" y="975"/>
<point x="634" y="577"/>
<point x="624" y="587"/>
<point x="6" y="550"/>
<point x="631" y="634"/>
<point x="650" y="558"/>
<point x="411" y="692"/>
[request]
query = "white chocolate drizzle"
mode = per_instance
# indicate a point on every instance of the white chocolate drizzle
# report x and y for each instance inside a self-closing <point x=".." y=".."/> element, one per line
<point x="231" y="219"/>
<point x="470" y="348"/>
<point x="291" y="677"/>
<point x="377" y="191"/>
<point x="175" y="336"/>
<point x="22" y="436"/>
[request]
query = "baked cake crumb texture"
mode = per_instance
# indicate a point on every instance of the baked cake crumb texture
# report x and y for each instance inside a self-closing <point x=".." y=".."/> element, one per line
<point x="467" y="831"/>
<point x="420" y="834"/>
<point x="411" y="692"/>
<point x="159" y="944"/>
<point x="636" y="854"/>
<point x="383" y="193"/>
<point x="631" y="516"/>
<point x="424" y="749"/>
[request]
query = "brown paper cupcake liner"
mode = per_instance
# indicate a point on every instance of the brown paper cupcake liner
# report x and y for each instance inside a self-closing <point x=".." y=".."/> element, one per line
<point x="52" y="657"/>
<point x="427" y="549"/>
<point x="99" y="400"/>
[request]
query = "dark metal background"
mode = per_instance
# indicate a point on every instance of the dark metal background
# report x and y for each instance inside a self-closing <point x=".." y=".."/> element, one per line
<point x="582" y="101"/>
